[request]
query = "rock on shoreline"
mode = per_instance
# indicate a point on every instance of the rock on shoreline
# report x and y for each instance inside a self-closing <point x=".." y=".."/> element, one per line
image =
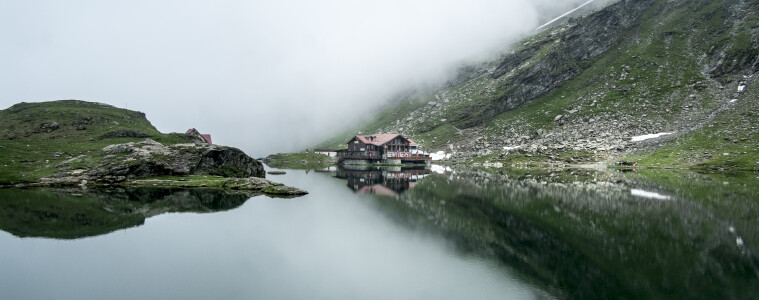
<point x="149" y="158"/>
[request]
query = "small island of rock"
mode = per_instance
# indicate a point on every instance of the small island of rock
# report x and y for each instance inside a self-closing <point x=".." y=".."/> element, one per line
<point x="79" y="143"/>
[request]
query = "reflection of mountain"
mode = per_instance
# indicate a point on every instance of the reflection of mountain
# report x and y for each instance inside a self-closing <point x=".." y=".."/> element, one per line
<point x="74" y="213"/>
<point x="602" y="237"/>
<point x="382" y="181"/>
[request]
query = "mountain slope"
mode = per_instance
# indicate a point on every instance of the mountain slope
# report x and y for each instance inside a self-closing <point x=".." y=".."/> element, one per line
<point x="581" y="90"/>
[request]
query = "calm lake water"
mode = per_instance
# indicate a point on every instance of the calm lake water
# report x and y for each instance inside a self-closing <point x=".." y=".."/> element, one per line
<point x="392" y="234"/>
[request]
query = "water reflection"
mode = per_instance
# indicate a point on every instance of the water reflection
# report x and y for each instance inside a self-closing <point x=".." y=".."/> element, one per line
<point x="329" y="244"/>
<point x="385" y="181"/>
<point x="77" y="213"/>
<point x="587" y="234"/>
<point x="575" y="234"/>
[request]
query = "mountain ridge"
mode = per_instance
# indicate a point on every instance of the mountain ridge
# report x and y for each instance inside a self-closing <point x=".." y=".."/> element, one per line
<point x="579" y="91"/>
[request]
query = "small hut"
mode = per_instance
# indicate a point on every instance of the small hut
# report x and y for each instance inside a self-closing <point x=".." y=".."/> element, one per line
<point x="204" y="137"/>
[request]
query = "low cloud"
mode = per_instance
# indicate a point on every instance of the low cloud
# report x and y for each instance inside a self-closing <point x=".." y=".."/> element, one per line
<point x="265" y="76"/>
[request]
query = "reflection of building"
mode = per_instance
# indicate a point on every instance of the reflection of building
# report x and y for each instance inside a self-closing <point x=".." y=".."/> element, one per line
<point x="385" y="181"/>
<point x="382" y="148"/>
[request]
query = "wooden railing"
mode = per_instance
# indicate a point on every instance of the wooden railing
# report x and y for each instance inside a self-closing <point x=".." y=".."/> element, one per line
<point x="390" y="155"/>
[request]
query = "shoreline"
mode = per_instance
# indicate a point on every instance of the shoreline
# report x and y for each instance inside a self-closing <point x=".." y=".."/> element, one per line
<point x="250" y="184"/>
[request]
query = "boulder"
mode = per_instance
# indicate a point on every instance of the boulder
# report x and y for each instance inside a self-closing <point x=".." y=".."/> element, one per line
<point x="122" y="134"/>
<point x="48" y="127"/>
<point x="149" y="158"/>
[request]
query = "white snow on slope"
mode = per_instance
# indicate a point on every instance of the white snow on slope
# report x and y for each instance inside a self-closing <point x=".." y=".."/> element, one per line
<point x="439" y="155"/>
<point x="564" y="15"/>
<point x="648" y="136"/>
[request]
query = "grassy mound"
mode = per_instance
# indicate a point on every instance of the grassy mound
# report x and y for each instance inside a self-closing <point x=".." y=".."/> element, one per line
<point x="35" y="137"/>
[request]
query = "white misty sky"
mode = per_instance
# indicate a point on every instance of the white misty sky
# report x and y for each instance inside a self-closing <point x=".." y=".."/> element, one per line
<point x="264" y="76"/>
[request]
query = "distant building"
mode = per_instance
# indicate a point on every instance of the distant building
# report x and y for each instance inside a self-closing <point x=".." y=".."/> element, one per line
<point x="204" y="137"/>
<point x="382" y="148"/>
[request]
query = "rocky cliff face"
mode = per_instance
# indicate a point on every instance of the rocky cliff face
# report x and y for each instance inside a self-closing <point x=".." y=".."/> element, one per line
<point x="149" y="158"/>
<point x="575" y="48"/>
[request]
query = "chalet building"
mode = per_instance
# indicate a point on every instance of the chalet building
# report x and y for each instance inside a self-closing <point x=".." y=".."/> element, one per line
<point x="382" y="148"/>
<point x="204" y="137"/>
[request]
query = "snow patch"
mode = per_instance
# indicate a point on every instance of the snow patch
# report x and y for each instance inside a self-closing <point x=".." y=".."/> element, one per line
<point x="440" y="169"/>
<point x="507" y="148"/>
<point x="741" y="88"/>
<point x="647" y="194"/>
<point x="648" y="136"/>
<point x="440" y="155"/>
<point x="733" y="100"/>
<point x="564" y="15"/>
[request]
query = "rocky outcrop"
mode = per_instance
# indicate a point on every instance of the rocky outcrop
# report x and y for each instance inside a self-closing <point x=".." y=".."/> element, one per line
<point x="251" y="185"/>
<point x="121" y="134"/>
<point x="266" y="186"/>
<point x="149" y="158"/>
<point x="580" y="46"/>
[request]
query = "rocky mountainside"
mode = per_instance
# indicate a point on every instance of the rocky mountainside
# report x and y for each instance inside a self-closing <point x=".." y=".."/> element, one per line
<point x="76" y="142"/>
<point x="592" y="88"/>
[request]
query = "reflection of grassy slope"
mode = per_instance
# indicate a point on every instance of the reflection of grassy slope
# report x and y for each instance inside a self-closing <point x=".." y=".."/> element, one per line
<point x="71" y="214"/>
<point x="40" y="213"/>
<point x="30" y="152"/>
<point x="299" y="161"/>
<point x="729" y="197"/>
<point x="595" y="240"/>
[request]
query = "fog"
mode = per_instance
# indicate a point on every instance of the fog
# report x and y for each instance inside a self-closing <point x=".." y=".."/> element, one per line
<point x="264" y="76"/>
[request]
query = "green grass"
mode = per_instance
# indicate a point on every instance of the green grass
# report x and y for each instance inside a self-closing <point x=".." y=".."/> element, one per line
<point x="29" y="152"/>
<point x="187" y="181"/>
<point x="438" y="137"/>
<point x="300" y="161"/>
<point x="705" y="149"/>
<point x="537" y="160"/>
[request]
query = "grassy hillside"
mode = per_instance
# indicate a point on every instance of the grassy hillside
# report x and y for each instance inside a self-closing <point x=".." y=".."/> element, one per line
<point x="35" y="137"/>
<point x="589" y="85"/>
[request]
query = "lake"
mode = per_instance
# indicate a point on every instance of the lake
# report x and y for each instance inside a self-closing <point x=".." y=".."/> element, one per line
<point x="392" y="234"/>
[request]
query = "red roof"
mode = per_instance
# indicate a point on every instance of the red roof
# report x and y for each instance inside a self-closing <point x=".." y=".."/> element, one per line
<point x="207" y="137"/>
<point x="381" y="139"/>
